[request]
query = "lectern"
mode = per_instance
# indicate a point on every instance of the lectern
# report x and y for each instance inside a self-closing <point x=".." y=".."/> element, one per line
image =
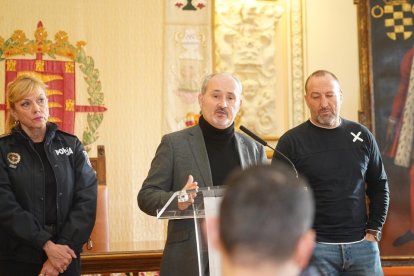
<point x="205" y="206"/>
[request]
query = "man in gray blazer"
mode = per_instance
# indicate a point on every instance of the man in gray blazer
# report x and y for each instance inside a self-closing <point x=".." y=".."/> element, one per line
<point x="199" y="156"/>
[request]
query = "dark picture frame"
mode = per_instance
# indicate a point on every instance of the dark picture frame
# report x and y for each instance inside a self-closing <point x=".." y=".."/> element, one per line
<point x="385" y="38"/>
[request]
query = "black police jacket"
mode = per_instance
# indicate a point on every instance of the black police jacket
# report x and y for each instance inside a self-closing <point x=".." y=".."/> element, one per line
<point x="22" y="185"/>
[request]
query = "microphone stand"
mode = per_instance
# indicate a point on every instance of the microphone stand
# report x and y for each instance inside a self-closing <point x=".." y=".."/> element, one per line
<point x="264" y="143"/>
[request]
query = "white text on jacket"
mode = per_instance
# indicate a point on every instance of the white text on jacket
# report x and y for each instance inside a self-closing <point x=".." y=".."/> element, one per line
<point x="67" y="151"/>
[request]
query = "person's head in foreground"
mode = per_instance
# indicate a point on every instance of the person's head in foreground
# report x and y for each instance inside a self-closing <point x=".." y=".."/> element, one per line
<point x="265" y="222"/>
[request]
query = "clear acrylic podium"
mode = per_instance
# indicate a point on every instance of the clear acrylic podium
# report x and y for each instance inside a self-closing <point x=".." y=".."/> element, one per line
<point x="205" y="206"/>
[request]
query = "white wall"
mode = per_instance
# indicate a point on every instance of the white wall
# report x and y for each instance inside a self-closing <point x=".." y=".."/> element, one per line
<point x="331" y="40"/>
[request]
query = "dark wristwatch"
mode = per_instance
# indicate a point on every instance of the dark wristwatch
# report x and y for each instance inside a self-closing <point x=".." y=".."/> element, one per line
<point x="375" y="233"/>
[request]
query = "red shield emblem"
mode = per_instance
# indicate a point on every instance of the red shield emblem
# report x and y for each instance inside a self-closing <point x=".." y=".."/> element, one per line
<point x="59" y="76"/>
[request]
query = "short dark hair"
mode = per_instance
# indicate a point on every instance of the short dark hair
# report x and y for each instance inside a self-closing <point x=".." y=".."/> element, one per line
<point x="319" y="73"/>
<point x="264" y="212"/>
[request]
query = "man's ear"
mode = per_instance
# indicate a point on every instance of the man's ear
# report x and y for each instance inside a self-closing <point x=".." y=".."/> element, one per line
<point x="304" y="249"/>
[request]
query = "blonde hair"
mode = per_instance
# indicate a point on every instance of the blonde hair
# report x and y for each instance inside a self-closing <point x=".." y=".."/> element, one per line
<point x="17" y="90"/>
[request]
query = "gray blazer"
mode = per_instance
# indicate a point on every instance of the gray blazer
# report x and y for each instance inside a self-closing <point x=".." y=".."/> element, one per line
<point x="180" y="154"/>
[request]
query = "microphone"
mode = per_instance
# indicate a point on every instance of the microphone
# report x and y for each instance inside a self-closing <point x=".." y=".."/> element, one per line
<point x="255" y="137"/>
<point x="264" y="143"/>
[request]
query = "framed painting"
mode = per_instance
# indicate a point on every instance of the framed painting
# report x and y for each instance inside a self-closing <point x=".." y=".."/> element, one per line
<point x="386" y="40"/>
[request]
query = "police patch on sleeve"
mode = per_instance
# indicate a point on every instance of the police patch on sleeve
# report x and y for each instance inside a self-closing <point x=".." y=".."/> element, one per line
<point x="13" y="158"/>
<point x="87" y="158"/>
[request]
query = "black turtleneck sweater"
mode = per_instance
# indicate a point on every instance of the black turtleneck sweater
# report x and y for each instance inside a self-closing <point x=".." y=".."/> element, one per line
<point x="221" y="149"/>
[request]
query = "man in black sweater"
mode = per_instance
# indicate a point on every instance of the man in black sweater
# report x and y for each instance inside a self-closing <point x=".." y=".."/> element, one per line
<point x="343" y="164"/>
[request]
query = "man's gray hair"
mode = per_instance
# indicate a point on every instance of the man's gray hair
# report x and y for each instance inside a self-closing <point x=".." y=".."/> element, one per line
<point x="209" y="77"/>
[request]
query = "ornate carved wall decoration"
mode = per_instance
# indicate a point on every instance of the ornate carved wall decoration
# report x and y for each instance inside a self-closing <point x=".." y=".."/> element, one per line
<point x="245" y="44"/>
<point x="259" y="41"/>
<point x="296" y="25"/>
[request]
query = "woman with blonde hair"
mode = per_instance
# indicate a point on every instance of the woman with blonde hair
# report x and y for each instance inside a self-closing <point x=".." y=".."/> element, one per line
<point x="47" y="188"/>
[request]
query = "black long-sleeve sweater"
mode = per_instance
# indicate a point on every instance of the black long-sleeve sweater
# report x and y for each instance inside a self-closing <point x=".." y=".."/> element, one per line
<point x="342" y="165"/>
